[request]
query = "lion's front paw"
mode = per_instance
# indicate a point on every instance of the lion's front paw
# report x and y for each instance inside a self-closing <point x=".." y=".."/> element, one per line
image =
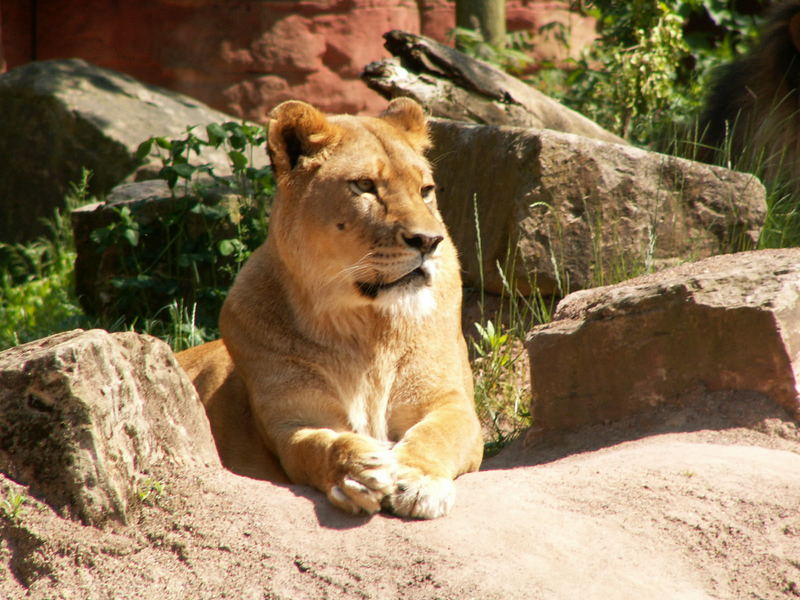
<point x="420" y="496"/>
<point x="365" y="475"/>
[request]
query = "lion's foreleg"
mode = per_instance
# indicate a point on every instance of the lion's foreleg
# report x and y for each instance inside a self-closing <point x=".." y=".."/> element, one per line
<point x="441" y="446"/>
<point x="355" y="472"/>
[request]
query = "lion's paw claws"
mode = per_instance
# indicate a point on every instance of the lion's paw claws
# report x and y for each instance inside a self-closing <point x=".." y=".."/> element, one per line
<point x="421" y="497"/>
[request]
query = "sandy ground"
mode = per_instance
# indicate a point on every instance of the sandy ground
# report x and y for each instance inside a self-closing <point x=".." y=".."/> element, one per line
<point x="697" y="502"/>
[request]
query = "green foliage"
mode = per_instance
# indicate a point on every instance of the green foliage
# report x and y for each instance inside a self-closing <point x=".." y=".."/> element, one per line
<point x="500" y="399"/>
<point x="497" y="352"/>
<point x="650" y="63"/>
<point x="782" y="226"/>
<point x="172" y="263"/>
<point x="11" y="505"/>
<point x="36" y="288"/>
<point x="511" y="57"/>
<point x="240" y="140"/>
<point x="636" y="79"/>
<point x="648" y="68"/>
<point x="151" y="491"/>
<point x="490" y="344"/>
<point x="181" y="256"/>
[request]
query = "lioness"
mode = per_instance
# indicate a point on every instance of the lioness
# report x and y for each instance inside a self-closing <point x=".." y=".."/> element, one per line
<point x="344" y="327"/>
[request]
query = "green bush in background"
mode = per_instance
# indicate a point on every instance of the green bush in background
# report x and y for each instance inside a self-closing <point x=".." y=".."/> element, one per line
<point x="651" y="66"/>
<point x="180" y="255"/>
<point x="37" y="282"/>
<point x="172" y="269"/>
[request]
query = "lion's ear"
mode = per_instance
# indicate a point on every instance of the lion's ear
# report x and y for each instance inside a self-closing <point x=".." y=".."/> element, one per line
<point x="408" y="116"/>
<point x="297" y="129"/>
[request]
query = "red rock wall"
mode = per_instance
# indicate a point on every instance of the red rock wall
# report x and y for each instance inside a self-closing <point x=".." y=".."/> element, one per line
<point x="16" y="33"/>
<point x="239" y="56"/>
<point x="438" y="18"/>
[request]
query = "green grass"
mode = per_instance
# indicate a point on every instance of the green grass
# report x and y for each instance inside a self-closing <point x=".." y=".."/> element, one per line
<point x="37" y="285"/>
<point x="37" y="291"/>
<point x="497" y="350"/>
<point x="11" y="505"/>
<point x="151" y="491"/>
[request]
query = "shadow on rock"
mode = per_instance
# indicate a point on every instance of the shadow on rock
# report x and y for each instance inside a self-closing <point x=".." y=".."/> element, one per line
<point x="750" y="414"/>
<point x="328" y="515"/>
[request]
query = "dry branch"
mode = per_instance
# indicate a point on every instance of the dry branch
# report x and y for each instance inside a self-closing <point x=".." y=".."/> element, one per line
<point x="452" y="85"/>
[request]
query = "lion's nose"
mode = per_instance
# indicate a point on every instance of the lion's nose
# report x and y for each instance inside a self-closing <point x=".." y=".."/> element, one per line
<point x="422" y="242"/>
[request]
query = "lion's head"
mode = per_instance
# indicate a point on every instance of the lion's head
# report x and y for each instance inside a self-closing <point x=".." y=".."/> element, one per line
<point x="356" y="218"/>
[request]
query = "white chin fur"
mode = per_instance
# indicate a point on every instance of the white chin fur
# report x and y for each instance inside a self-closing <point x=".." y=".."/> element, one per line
<point x="406" y="301"/>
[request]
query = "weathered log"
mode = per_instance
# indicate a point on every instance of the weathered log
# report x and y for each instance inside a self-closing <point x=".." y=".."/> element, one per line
<point x="452" y="85"/>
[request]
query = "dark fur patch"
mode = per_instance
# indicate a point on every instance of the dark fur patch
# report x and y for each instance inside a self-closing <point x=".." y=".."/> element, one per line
<point x="293" y="145"/>
<point x="746" y="89"/>
<point x="371" y="290"/>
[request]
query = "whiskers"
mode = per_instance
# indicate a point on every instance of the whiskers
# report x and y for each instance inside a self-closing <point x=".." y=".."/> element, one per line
<point x="355" y="271"/>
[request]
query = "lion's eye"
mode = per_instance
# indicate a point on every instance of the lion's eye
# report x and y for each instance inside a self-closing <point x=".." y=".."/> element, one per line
<point x="427" y="192"/>
<point x="363" y="186"/>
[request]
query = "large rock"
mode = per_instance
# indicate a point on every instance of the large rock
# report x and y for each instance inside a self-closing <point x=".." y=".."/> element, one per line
<point x="60" y="116"/>
<point x="245" y="57"/>
<point x="561" y="212"/>
<point x="726" y="323"/>
<point x="87" y="417"/>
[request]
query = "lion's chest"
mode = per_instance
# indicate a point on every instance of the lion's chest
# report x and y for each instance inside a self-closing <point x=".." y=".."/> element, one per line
<point x="366" y="395"/>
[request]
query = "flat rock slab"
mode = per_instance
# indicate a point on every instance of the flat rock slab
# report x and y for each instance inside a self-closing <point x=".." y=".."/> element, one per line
<point x="730" y="322"/>
<point x="559" y="212"/>
<point x="59" y="116"/>
<point x="679" y="516"/>
<point x="85" y="417"/>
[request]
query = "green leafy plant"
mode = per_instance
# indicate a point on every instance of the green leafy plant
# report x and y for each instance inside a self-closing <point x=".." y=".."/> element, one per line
<point x="181" y="255"/>
<point x="512" y="56"/>
<point x="37" y="287"/>
<point x="240" y="140"/>
<point x="650" y="66"/>
<point x="11" y="505"/>
<point x="500" y="398"/>
<point x="177" y="325"/>
<point x="496" y="353"/>
<point x="151" y="491"/>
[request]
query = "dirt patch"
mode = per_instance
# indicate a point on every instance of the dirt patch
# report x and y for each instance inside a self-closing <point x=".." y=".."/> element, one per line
<point x="694" y="502"/>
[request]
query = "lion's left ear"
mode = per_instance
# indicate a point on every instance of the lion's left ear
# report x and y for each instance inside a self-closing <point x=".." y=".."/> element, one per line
<point x="408" y="116"/>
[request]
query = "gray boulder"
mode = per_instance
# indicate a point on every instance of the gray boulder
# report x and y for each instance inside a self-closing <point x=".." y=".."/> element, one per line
<point x="87" y="417"/>
<point x="59" y="116"/>
<point x="561" y="212"/>
<point x="727" y="323"/>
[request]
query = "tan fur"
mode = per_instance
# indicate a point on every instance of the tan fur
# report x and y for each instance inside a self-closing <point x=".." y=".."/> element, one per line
<point x="361" y="391"/>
